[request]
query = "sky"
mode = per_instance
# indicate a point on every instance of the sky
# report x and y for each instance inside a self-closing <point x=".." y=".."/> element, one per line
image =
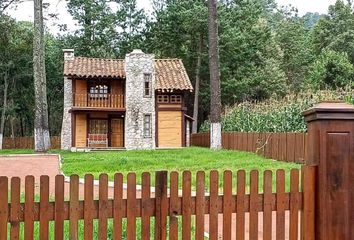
<point x="24" y="12"/>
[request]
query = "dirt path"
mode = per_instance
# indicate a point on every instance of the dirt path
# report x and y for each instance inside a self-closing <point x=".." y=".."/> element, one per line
<point x="37" y="165"/>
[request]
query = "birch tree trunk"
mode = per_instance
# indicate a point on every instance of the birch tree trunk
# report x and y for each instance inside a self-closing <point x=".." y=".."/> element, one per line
<point x="4" y="108"/>
<point x="215" y="99"/>
<point x="197" y="85"/>
<point x="41" y="127"/>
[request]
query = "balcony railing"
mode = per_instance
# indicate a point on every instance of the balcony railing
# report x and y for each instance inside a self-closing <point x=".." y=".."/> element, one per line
<point x="84" y="100"/>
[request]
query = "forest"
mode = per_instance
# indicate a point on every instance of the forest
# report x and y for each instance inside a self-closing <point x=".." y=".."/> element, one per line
<point x="267" y="52"/>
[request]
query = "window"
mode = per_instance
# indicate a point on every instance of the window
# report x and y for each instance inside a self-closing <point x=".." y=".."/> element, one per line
<point x="169" y="99"/>
<point x="147" y="125"/>
<point x="147" y="85"/>
<point x="175" y="99"/>
<point x="163" y="99"/>
<point x="98" y="126"/>
<point x="99" y="91"/>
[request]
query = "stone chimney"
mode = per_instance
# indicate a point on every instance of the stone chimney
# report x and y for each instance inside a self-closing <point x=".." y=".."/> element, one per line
<point x="69" y="54"/>
<point x="66" y="131"/>
<point x="140" y="100"/>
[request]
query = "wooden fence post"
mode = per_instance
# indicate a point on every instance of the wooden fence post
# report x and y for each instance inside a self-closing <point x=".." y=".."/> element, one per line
<point x="161" y="205"/>
<point x="330" y="147"/>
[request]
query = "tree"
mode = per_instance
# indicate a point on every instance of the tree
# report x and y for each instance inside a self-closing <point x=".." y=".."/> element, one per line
<point x="247" y="49"/>
<point x="336" y="30"/>
<point x="94" y="37"/>
<point x="180" y="30"/>
<point x="54" y="77"/>
<point x="331" y="70"/>
<point x="130" y="24"/>
<point x="106" y="28"/>
<point x="4" y="106"/>
<point x="5" y="4"/>
<point x="197" y="85"/>
<point x="295" y="41"/>
<point x="5" y="40"/>
<point x="41" y="127"/>
<point x="16" y="72"/>
<point x="215" y="100"/>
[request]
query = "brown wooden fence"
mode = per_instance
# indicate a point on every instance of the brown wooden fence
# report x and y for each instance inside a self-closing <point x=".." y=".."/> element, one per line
<point x="289" y="147"/>
<point x="169" y="208"/>
<point x="27" y="142"/>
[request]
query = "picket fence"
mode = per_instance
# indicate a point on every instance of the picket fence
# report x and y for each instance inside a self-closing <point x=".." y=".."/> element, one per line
<point x="287" y="147"/>
<point x="166" y="204"/>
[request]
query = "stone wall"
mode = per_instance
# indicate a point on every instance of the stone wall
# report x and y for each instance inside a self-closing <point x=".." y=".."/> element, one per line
<point x="137" y="64"/>
<point x="66" y="126"/>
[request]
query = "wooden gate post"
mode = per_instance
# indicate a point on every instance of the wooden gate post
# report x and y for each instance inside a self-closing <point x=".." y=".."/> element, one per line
<point x="161" y="205"/>
<point x="330" y="146"/>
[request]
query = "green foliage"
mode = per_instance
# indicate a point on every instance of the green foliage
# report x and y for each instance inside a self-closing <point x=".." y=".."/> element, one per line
<point x="54" y="70"/>
<point x="276" y="115"/>
<point x="250" y="57"/>
<point x="295" y="41"/>
<point x="335" y="30"/>
<point x="331" y="70"/>
<point x="311" y="19"/>
<point x="16" y="63"/>
<point x="16" y="60"/>
<point x="106" y="29"/>
<point x="265" y="52"/>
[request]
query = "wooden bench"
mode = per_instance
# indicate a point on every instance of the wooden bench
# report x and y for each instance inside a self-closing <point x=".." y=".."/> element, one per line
<point x="97" y="139"/>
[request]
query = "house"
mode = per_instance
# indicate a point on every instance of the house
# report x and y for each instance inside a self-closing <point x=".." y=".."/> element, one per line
<point x="132" y="103"/>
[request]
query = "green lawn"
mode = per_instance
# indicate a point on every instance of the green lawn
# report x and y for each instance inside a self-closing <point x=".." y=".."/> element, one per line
<point x="193" y="159"/>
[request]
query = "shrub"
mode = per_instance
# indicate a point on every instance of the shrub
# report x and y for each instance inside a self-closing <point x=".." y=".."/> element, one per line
<point x="276" y="115"/>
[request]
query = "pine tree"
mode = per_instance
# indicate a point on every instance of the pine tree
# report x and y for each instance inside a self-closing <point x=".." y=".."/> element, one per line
<point x="41" y="127"/>
<point x="215" y="99"/>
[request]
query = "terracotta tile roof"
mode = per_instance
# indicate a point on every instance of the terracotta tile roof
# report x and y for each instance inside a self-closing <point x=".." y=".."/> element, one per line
<point x="170" y="73"/>
<point x="94" y="67"/>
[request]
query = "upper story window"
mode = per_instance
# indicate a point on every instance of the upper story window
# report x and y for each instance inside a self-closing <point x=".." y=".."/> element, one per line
<point x="98" y="91"/>
<point x="169" y="99"/>
<point x="147" y="85"/>
<point x="175" y="99"/>
<point x="163" y="99"/>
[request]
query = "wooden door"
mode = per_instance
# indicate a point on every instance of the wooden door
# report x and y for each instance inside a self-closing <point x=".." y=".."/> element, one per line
<point x="170" y="129"/>
<point x="117" y="132"/>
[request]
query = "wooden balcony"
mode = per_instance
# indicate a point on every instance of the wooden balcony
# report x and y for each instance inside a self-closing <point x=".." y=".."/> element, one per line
<point x="98" y="101"/>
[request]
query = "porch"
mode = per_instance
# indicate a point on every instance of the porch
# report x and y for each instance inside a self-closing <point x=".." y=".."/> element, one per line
<point x="98" y="130"/>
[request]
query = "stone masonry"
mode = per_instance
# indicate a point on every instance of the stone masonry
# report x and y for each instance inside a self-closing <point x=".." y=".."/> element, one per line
<point x="137" y="64"/>
<point x="66" y="125"/>
<point x="66" y="135"/>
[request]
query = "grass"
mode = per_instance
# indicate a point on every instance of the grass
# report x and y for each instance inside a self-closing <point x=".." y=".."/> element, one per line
<point x="15" y="151"/>
<point x="193" y="159"/>
<point x="51" y="229"/>
<point x="95" y="231"/>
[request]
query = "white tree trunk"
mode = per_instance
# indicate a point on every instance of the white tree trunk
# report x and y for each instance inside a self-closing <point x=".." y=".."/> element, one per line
<point x="215" y="136"/>
<point x="41" y="127"/>
<point x="1" y="140"/>
<point x="215" y="98"/>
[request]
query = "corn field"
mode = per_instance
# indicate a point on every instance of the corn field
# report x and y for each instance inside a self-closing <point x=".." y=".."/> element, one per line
<point x="276" y="115"/>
